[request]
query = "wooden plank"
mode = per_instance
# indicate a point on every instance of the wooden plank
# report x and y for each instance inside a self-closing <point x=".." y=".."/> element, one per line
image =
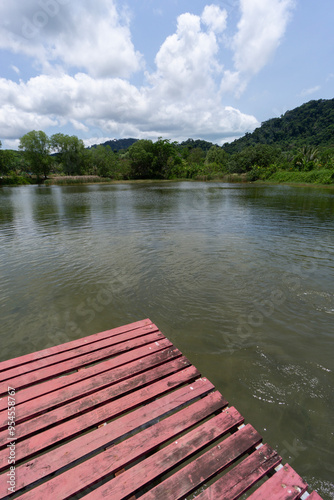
<point x="86" y="386"/>
<point x="146" y="471"/>
<point x="132" y="359"/>
<point x="119" y="456"/>
<point x="193" y="475"/>
<point x="79" y="352"/>
<point x="286" y="484"/>
<point x="62" y="368"/>
<point x="242" y="477"/>
<point x="104" y="396"/>
<point x="104" y="436"/>
<point x="26" y="358"/>
<point x="71" y="428"/>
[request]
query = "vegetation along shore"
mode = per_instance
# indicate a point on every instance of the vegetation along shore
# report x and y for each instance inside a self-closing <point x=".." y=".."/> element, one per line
<point x="298" y="147"/>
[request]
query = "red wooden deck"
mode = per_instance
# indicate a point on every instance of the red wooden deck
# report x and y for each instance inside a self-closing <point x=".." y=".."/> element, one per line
<point x="123" y="414"/>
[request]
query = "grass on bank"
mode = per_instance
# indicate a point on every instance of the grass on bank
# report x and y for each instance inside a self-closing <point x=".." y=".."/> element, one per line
<point x="76" y="179"/>
<point x="319" y="177"/>
<point x="313" y="177"/>
<point x="324" y="176"/>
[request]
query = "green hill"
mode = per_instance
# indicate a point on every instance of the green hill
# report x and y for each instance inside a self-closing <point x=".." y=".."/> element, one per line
<point x="118" y="144"/>
<point x="194" y="144"/>
<point x="311" y="124"/>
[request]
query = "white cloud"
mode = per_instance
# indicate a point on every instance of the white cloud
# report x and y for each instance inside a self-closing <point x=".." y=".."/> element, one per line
<point x="312" y="90"/>
<point x="95" y="140"/>
<point x="15" y="122"/>
<point x="214" y="18"/>
<point x="260" y="31"/>
<point x="85" y="35"/>
<point x="187" y="61"/>
<point x="231" y="82"/>
<point x="100" y="44"/>
<point x="181" y="98"/>
<point x="115" y="107"/>
<point x="11" y="143"/>
<point x="79" y="125"/>
<point x="16" y="69"/>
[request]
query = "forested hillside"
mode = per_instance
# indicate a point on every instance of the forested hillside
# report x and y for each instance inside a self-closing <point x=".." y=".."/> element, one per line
<point x="311" y="124"/>
<point x="117" y="144"/>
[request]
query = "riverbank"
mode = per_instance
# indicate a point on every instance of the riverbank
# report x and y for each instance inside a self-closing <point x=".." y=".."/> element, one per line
<point x="294" y="184"/>
<point x="321" y="179"/>
<point x="95" y="179"/>
<point x="323" y="176"/>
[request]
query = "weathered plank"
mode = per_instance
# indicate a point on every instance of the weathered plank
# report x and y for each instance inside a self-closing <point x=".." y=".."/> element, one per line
<point x="88" y="386"/>
<point x="106" y="435"/>
<point x="101" y="396"/>
<point x="44" y="353"/>
<point x="151" y="468"/>
<point x="77" y="355"/>
<point x="206" y="466"/>
<point x="242" y="477"/>
<point x="119" y="456"/>
<point x="104" y="370"/>
<point x="71" y="428"/>
<point x="286" y="484"/>
<point x="62" y="368"/>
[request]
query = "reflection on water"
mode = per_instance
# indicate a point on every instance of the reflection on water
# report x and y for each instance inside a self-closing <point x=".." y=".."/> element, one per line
<point x="239" y="277"/>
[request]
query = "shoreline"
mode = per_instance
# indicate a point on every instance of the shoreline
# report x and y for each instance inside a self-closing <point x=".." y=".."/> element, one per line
<point x="93" y="180"/>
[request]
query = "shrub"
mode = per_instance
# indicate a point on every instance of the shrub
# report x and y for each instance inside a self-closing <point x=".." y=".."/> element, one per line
<point x="324" y="176"/>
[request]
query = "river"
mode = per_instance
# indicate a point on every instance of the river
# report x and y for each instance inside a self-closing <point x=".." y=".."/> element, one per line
<point x="239" y="277"/>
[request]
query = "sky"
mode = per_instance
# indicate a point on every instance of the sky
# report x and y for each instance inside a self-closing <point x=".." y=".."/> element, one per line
<point x="177" y="69"/>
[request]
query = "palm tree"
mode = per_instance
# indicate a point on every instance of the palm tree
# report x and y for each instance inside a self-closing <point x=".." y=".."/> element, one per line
<point x="306" y="158"/>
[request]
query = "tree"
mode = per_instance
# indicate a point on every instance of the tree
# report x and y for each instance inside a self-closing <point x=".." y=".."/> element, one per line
<point x="7" y="161"/>
<point x="306" y="158"/>
<point x="105" y="161"/>
<point x="165" y="156"/>
<point x="196" y="156"/>
<point x="3" y="168"/>
<point x="218" y="156"/>
<point x="141" y="155"/>
<point x="2" y="163"/>
<point x="36" y="147"/>
<point x="262" y="155"/>
<point x="70" y="153"/>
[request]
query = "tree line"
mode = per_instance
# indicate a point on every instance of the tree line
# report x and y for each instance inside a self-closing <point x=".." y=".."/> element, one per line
<point x="40" y="157"/>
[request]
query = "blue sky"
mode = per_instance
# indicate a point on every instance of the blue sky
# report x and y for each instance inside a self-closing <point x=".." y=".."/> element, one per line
<point x="103" y="69"/>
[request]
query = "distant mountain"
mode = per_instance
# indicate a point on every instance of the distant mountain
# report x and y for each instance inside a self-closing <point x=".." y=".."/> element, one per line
<point x="197" y="143"/>
<point x="117" y="144"/>
<point x="311" y="124"/>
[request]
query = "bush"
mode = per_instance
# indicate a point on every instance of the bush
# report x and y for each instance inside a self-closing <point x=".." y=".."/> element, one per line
<point x="15" y="180"/>
<point x="324" y="176"/>
<point x="261" y="173"/>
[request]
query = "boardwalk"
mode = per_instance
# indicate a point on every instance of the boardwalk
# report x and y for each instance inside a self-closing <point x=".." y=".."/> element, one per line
<point x="123" y="414"/>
